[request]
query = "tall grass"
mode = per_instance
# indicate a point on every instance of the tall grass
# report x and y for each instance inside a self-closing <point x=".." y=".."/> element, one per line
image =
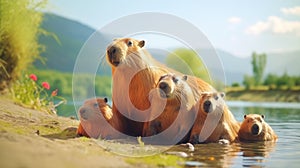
<point x="19" y="30"/>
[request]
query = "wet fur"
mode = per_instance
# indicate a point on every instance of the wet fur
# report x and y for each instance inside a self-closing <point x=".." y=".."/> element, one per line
<point x="266" y="133"/>
<point x="226" y="128"/>
<point x="178" y="106"/>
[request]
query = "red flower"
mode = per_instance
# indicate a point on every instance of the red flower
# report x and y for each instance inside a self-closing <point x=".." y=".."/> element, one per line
<point x="33" y="77"/>
<point x="46" y="85"/>
<point x="54" y="92"/>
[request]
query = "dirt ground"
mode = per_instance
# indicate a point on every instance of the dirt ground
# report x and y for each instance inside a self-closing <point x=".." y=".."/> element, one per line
<point x="30" y="138"/>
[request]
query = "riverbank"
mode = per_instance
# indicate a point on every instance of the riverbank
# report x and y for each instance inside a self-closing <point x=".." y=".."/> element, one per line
<point x="30" y="138"/>
<point x="264" y="96"/>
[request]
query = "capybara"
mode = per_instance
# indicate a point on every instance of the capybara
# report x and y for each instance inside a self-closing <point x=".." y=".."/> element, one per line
<point x="254" y="128"/>
<point x="97" y="119"/>
<point x="214" y="121"/>
<point x="174" y="123"/>
<point x="135" y="74"/>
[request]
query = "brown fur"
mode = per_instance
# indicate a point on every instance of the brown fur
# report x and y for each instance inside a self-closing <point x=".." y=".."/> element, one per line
<point x="96" y="119"/>
<point x="176" y="117"/>
<point x="262" y="131"/>
<point x="135" y="75"/>
<point x="214" y="122"/>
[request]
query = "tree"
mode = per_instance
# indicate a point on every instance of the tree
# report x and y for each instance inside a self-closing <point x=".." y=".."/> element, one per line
<point x="286" y="80"/>
<point x="271" y="81"/>
<point x="248" y="81"/>
<point x="259" y="62"/>
<point x="187" y="61"/>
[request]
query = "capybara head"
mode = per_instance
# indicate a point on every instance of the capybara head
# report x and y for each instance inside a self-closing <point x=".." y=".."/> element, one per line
<point x="93" y="115"/>
<point x="209" y="100"/>
<point x="93" y="108"/>
<point x="254" y="128"/>
<point x="170" y="85"/>
<point x="253" y="123"/>
<point x="120" y="48"/>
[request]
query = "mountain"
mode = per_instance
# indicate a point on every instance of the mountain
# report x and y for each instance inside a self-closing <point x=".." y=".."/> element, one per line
<point x="61" y="54"/>
<point x="79" y="49"/>
<point x="281" y="62"/>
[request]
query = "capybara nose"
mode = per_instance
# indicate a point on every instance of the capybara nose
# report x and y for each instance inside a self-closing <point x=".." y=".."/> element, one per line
<point x="111" y="52"/>
<point x="255" y="129"/>
<point x="206" y="106"/>
<point x="83" y="113"/>
<point x="164" y="87"/>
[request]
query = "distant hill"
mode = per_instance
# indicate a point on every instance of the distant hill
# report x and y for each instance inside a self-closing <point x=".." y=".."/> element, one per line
<point x="73" y="35"/>
<point x="61" y="55"/>
<point x="279" y="63"/>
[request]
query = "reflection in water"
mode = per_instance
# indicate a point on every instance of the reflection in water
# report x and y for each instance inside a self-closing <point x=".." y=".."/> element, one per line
<point x="234" y="155"/>
<point x="256" y="154"/>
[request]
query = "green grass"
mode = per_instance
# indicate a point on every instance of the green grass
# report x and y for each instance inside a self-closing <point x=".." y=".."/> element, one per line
<point x="160" y="160"/>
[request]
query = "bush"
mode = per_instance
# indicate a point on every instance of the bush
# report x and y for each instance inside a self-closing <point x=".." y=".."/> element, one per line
<point x="33" y="94"/>
<point x="84" y="83"/>
<point x="235" y="84"/>
<point x="19" y="30"/>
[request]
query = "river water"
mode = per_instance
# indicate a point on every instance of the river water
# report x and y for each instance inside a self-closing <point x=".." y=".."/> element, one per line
<point x="284" y="118"/>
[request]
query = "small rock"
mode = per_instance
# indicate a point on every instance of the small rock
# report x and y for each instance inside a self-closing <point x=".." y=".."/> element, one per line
<point x="190" y="146"/>
<point x="224" y="141"/>
<point x="193" y="164"/>
<point x="73" y="118"/>
<point x="180" y="154"/>
<point x="37" y="132"/>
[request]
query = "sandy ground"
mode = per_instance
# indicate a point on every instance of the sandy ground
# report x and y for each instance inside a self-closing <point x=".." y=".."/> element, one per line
<point x="31" y="138"/>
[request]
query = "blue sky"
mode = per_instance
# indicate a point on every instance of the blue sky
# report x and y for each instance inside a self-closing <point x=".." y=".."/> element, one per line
<point x="239" y="27"/>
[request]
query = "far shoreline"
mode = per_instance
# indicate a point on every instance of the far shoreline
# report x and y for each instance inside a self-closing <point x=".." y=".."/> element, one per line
<point x="287" y="96"/>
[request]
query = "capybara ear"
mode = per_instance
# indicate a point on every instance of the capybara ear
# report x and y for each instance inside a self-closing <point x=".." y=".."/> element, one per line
<point x="222" y="94"/>
<point x="245" y="116"/>
<point x="184" y="77"/>
<point x="262" y="116"/>
<point x="105" y="100"/>
<point x="141" y="43"/>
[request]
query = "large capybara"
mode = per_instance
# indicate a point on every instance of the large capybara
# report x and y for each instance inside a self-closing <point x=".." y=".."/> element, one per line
<point x="97" y="120"/>
<point x="135" y="73"/>
<point x="214" y="121"/>
<point x="177" y="117"/>
<point x="254" y="128"/>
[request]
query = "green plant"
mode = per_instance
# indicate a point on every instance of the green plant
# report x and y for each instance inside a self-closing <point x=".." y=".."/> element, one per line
<point x="28" y="92"/>
<point x="235" y="84"/>
<point x="19" y="30"/>
<point x="259" y="62"/>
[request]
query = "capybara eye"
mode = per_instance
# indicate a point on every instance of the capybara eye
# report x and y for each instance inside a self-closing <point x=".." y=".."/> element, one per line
<point x="216" y="97"/>
<point x="175" y="79"/>
<point x="96" y="105"/>
<point x="129" y="43"/>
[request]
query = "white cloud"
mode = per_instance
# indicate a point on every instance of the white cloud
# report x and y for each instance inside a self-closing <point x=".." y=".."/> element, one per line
<point x="276" y="25"/>
<point x="291" y="11"/>
<point x="234" y="20"/>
